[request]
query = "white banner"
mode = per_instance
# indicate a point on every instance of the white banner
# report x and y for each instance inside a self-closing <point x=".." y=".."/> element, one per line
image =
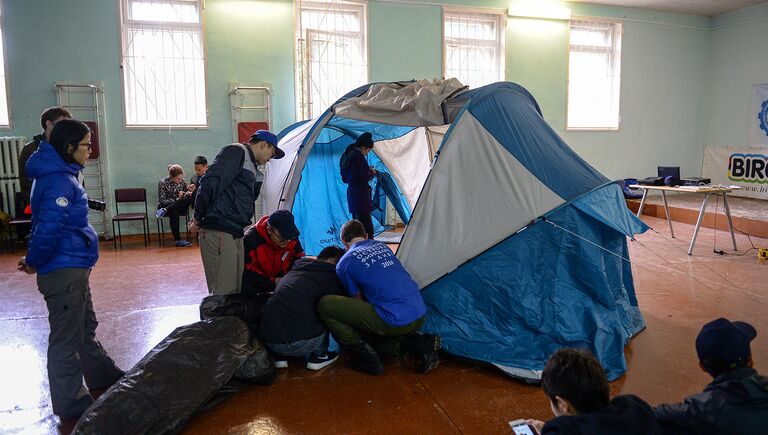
<point x="744" y="167"/>
<point x="758" y="125"/>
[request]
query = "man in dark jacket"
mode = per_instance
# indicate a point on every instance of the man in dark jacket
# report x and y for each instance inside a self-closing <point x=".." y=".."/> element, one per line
<point x="356" y="173"/>
<point x="578" y="392"/>
<point x="225" y="204"/>
<point x="737" y="399"/>
<point x="48" y="119"/>
<point x="271" y="248"/>
<point x="290" y="325"/>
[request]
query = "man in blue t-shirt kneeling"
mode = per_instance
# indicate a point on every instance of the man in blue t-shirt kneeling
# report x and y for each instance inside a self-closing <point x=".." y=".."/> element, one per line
<point x="385" y="306"/>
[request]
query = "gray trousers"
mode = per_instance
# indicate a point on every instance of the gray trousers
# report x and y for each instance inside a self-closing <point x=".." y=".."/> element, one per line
<point x="223" y="261"/>
<point x="73" y="351"/>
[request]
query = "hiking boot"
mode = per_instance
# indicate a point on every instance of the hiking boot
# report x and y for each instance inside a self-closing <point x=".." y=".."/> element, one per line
<point x="424" y="348"/>
<point x="183" y="244"/>
<point x="365" y="360"/>
<point x="321" y="360"/>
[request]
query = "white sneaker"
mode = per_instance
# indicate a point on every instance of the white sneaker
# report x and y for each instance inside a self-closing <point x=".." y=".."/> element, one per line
<point x="281" y="364"/>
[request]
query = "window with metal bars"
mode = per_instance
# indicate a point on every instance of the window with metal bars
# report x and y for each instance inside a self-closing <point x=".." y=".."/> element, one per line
<point x="331" y="53"/>
<point x="594" y="75"/>
<point x="163" y="63"/>
<point x="473" y="46"/>
<point x="5" y="114"/>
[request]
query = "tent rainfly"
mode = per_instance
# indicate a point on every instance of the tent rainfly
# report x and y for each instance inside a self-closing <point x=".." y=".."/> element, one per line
<point x="518" y="244"/>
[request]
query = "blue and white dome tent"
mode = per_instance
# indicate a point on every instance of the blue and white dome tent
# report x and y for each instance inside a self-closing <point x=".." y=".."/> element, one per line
<point x="518" y="244"/>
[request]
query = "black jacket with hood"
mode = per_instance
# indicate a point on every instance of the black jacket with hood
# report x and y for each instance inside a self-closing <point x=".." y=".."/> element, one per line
<point x="227" y="193"/>
<point x="290" y="314"/>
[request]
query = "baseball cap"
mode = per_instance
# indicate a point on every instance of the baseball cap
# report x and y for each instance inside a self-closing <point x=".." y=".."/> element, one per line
<point x="270" y="138"/>
<point x="282" y="221"/>
<point x="722" y="344"/>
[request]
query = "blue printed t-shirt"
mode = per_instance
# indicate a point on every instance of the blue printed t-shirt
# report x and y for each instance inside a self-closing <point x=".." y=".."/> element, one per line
<point x="371" y="268"/>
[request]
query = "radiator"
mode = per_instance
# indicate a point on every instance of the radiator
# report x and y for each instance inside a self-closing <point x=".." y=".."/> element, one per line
<point x="10" y="147"/>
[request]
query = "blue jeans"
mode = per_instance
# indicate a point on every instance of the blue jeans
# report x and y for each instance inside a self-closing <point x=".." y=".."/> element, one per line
<point x="301" y="347"/>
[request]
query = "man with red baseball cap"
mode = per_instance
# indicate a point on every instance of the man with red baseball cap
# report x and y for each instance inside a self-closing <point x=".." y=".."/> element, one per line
<point x="737" y="399"/>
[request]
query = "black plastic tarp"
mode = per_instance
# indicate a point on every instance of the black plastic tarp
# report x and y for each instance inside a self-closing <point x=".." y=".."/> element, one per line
<point x="182" y="375"/>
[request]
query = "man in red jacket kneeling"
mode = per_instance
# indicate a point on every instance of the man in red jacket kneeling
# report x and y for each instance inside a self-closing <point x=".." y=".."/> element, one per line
<point x="271" y="248"/>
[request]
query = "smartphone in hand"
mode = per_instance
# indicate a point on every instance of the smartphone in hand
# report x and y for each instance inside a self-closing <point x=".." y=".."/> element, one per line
<point x="521" y="427"/>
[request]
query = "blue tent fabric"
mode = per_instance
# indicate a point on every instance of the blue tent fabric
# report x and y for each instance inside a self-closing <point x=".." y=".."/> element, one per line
<point x="320" y="207"/>
<point x="540" y="290"/>
<point x="563" y="281"/>
<point x="512" y="116"/>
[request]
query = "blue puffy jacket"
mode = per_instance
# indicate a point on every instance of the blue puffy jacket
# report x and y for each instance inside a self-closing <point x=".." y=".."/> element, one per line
<point x="61" y="235"/>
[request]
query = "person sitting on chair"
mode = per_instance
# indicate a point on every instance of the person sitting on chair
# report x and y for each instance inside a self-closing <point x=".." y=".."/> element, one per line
<point x="175" y="199"/>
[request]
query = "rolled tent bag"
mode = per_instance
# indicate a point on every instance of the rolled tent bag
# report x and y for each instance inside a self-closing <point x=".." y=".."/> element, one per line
<point x="178" y="377"/>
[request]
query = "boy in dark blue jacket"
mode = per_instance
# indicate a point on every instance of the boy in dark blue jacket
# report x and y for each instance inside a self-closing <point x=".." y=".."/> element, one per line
<point x="737" y="399"/>
<point x="62" y="250"/>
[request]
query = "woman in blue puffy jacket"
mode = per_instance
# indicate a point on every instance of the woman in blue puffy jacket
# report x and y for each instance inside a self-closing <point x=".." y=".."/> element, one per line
<point x="62" y="250"/>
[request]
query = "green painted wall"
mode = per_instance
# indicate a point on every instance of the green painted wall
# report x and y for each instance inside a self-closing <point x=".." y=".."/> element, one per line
<point x="739" y="60"/>
<point x="667" y="93"/>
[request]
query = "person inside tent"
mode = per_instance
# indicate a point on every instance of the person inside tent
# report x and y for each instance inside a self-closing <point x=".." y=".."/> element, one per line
<point x="271" y="248"/>
<point x="175" y="198"/>
<point x="290" y="325"/>
<point x="356" y="173"/>
<point x="737" y="399"/>
<point x="579" y="396"/>
<point x="385" y="306"/>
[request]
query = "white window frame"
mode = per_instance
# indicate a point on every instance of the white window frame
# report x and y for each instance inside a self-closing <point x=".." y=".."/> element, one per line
<point x="303" y="33"/>
<point x="4" y="66"/>
<point x="125" y="24"/>
<point x="500" y="19"/>
<point x="615" y="78"/>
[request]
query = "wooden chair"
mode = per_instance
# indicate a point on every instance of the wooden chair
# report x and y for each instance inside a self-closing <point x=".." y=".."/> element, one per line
<point x="130" y="195"/>
<point x="21" y="224"/>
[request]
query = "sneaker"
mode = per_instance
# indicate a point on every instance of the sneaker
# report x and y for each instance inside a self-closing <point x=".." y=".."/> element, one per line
<point x="319" y="361"/>
<point x="365" y="360"/>
<point x="424" y="348"/>
<point x="281" y="363"/>
<point x="160" y="212"/>
<point x="183" y="244"/>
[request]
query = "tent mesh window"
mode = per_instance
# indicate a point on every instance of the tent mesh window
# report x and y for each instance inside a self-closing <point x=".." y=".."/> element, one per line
<point x="594" y="70"/>
<point x="163" y="63"/>
<point x="331" y="53"/>
<point x="473" y="45"/>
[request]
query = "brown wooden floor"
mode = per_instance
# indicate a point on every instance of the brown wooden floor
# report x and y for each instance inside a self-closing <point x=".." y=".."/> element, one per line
<point x="141" y="294"/>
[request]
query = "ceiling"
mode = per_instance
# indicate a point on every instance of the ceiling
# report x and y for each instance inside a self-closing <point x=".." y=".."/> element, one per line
<point x="690" y="7"/>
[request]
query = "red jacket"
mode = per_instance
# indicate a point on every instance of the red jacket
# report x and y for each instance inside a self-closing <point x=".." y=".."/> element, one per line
<point x="264" y="260"/>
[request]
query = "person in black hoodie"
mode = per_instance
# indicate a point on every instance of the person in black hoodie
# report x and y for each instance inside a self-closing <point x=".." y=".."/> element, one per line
<point x="290" y="325"/>
<point x="356" y="173"/>
<point x="578" y="393"/>
<point x="737" y="399"/>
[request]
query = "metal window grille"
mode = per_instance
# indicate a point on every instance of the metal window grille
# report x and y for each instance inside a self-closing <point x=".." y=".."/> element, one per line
<point x="332" y="53"/>
<point x="594" y="74"/>
<point x="163" y="62"/>
<point x="473" y="45"/>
